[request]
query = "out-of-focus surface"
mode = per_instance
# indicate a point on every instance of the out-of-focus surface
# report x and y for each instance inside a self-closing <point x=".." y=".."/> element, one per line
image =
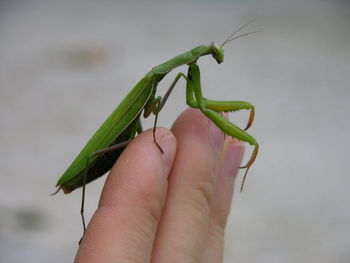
<point x="64" y="66"/>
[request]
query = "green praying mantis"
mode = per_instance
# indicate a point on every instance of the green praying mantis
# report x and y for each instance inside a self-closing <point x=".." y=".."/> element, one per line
<point x="123" y="124"/>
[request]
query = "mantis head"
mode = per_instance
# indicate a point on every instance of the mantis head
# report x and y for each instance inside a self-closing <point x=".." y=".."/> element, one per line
<point x="217" y="52"/>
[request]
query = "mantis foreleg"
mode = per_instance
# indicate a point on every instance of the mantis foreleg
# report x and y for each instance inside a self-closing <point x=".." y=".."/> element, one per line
<point x="217" y="105"/>
<point x="210" y="109"/>
<point x="225" y="106"/>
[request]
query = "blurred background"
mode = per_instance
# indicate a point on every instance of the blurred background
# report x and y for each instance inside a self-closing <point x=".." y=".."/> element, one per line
<point x="65" y="65"/>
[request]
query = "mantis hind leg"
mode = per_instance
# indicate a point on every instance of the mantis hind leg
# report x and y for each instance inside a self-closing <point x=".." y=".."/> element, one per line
<point x="86" y="169"/>
<point x="83" y="195"/>
<point x="135" y="128"/>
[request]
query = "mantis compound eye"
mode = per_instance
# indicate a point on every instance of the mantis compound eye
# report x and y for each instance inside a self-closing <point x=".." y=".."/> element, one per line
<point x="217" y="52"/>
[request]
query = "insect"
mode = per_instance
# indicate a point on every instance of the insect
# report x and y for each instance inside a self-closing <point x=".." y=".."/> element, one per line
<point x="123" y="124"/>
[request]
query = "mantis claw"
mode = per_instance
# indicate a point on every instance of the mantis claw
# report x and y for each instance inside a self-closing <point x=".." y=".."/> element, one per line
<point x="251" y="119"/>
<point x="252" y="158"/>
<point x="248" y="165"/>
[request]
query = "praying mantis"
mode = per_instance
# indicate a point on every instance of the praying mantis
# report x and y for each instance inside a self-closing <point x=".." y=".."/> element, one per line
<point x="124" y="123"/>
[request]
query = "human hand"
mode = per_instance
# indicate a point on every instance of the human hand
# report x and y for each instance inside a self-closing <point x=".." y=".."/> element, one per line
<point x="166" y="208"/>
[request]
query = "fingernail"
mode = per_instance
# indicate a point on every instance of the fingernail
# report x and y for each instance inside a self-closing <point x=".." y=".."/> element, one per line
<point x="216" y="137"/>
<point x="233" y="155"/>
<point x="168" y="145"/>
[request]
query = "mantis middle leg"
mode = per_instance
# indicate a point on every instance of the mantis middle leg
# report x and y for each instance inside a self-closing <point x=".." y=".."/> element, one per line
<point x="158" y="103"/>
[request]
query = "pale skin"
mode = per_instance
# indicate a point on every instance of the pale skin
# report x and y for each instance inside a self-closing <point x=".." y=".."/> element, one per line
<point x="170" y="207"/>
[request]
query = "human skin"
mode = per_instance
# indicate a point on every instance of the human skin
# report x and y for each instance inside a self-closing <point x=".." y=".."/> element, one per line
<point x="170" y="207"/>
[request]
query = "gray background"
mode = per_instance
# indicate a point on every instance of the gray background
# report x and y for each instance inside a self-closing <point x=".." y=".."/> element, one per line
<point x="64" y="66"/>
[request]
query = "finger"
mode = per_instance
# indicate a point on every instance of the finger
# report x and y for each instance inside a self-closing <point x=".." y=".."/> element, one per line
<point x="184" y="224"/>
<point x="124" y="226"/>
<point x="221" y="202"/>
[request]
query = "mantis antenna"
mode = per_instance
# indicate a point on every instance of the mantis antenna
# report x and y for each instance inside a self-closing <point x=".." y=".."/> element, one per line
<point x="231" y="37"/>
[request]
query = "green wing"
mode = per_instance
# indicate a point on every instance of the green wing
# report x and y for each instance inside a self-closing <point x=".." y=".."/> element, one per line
<point x="120" y="119"/>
